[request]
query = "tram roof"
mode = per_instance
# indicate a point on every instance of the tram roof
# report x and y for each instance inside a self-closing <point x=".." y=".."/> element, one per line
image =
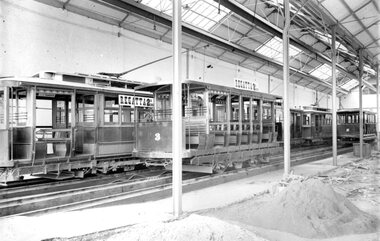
<point x="221" y="88"/>
<point x="70" y="81"/>
<point x="354" y="110"/>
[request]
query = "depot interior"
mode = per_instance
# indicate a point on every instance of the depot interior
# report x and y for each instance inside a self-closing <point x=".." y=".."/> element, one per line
<point x="223" y="42"/>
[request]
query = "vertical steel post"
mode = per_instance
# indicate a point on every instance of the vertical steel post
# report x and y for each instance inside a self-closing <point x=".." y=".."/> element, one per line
<point x="334" y="127"/>
<point x="177" y="109"/>
<point x="285" y="40"/>
<point x="378" y="108"/>
<point x="361" y="102"/>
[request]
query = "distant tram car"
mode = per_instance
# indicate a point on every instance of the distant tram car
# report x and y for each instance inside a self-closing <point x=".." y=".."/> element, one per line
<point x="63" y="125"/>
<point x="222" y="127"/>
<point x="316" y="125"/>
<point x="348" y="126"/>
<point x="308" y="126"/>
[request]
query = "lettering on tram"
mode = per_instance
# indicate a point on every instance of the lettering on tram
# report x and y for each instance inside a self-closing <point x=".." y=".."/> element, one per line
<point x="244" y="84"/>
<point x="128" y="100"/>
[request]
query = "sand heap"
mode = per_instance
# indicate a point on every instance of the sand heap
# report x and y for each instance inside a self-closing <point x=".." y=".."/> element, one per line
<point x="313" y="209"/>
<point x="194" y="227"/>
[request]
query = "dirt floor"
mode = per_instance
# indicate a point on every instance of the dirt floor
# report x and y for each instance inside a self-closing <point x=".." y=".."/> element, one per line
<point x="338" y="206"/>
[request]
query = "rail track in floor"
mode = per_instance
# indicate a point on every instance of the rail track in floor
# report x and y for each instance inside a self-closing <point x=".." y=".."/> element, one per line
<point x="130" y="187"/>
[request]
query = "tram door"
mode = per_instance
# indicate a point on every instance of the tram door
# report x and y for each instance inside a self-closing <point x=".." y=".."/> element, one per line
<point x="317" y="128"/>
<point x="85" y="140"/>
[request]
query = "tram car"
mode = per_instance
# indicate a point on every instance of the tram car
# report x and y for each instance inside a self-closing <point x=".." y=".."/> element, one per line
<point x="60" y="125"/>
<point x="309" y="125"/>
<point x="316" y="125"/>
<point x="348" y="126"/>
<point x="222" y="127"/>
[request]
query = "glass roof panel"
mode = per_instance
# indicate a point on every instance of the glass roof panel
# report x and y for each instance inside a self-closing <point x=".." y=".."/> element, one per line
<point x="322" y="72"/>
<point x="203" y="14"/>
<point x="350" y="84"/>
<point x="273" y="49"/>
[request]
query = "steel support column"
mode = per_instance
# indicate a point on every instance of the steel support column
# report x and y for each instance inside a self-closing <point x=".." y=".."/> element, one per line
<point x="177" y="109"/>
<point x="361" y="102"/>
<point x="378" y="108"/>
<point x="285" y="40"/>
<point x="334" y="127"/>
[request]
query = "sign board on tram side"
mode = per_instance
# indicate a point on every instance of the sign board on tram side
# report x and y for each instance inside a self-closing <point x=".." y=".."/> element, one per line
<point x="129" y="100"/>
<point x="244" y="84"/>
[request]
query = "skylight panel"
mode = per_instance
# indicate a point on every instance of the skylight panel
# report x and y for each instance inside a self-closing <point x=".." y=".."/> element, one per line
<point x="350" y="84"/>
<point x="273" y="49"/>
<point x="322" y="72"/>
<point x="203" y="14"/>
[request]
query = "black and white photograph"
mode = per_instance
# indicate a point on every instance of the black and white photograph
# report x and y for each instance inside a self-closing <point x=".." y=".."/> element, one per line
<point x="189" y="120"/>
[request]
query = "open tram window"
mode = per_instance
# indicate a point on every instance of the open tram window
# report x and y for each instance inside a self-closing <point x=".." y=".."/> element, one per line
<point x="246" y="113"/>
<point x="255" y="106"/>
<point x="306" y="119"/>
<point x="235" y="108"/>
<point x="267" y="110"/>
<point x="218" y="107"/>
<point x="349" y="119"/>
<point x="197" y="105"/>
<point x="17" y="109"/>
<point x="163" y="106"/>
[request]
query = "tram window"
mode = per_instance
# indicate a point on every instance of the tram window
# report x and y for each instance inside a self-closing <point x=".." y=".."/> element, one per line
<point x="235" y="108"/>
<point x="17" y="109"/>
<point x="267" y="111"/>
<point x="86" y="112"/>
<point x="197" y="103"/>
<point x="218" y="108"/>
<point x="2" y="123"/>
<point x="341" y="119"/>
<point x="127" y="115"/>
<point x="111" y="110"/>
<point x="246" y="113"/>
<point x="163" y="105"/>
<point x="306" y="119"/>
<point x="255" y="106"/>
<point x="279" y="115"/>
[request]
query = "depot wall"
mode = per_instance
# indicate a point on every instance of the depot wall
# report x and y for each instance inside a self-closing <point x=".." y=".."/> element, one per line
<point x="352" y="101"/>
<point x="36" y="37"/>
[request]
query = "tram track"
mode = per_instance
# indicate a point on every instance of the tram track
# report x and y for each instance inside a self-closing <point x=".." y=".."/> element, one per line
<point x="122" y="190"/>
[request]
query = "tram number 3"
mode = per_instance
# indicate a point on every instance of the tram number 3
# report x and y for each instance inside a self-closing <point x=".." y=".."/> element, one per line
<point x="157" y="137"/>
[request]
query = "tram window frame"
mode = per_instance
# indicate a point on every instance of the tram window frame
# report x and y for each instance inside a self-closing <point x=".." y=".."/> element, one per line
<point x="82" y="107"/>
<point x="235" y="108"/>
<point x="197" y="106"/>
<point x="2" y="108"/>
<point x="18" y="118"/>
<point x="255" y="109"/>
<point x="246" y="114"/>
<point x="111" y="108"/>
<point x="267" y="111"/>
<point x="163" y="106"/>
<point x="218" y="109"/>
<point x="306" y="119"/>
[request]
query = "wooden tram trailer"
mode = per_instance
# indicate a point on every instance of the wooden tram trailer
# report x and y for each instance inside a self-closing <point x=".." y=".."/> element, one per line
<point x="55" y="122"/>
<point x="222" y="127"/>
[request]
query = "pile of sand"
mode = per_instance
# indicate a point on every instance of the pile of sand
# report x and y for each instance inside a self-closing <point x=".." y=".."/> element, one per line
<point x="312" y="209"/>
<point x="194" y="227"/>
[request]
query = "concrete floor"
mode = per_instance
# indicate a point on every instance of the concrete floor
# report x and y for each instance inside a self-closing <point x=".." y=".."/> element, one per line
<point x="68" y="224"/>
